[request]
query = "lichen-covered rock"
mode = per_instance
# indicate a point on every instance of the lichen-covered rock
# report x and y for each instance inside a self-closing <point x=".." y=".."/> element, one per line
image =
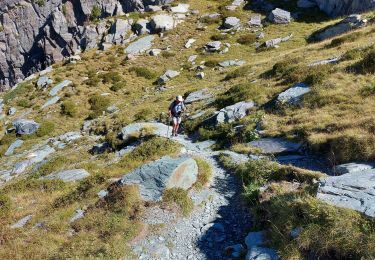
<point x="199" y="95"/>
<point x="280" y="16"/>
<point x="214" y="46"/>
<point x="231" y="22"/>
<point x="68" y="175"/>
<point x="352" y="190"/>
<point x="13" y="146"/>
<point x="25" y="126"/>
<point x="166" y="173"/>
<point x="293" y="95"/>
<point x="276" y="146"/>
<point x="140" y="46"/>
<point x="234" y="112"/>
<point x="59" y="87"/>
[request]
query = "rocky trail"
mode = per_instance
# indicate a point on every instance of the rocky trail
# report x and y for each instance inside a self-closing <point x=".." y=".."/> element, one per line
<point x="219" y="220"/>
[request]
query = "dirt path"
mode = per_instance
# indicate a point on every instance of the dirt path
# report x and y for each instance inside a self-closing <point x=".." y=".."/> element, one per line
<point x="219" y="219"/>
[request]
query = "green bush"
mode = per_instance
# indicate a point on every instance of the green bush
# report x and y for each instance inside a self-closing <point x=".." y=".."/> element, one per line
<point x="111" y="77"/>
<point x="41" y="3"/>
<point x="32" y="184"/>
<point x="143" y="72"/>
<point x="208" y="20"/>
<point x="124" y="200"/>
<point x="238" y="73"/>
<point x="143" y="114"/>
<point x="211" y="63"/>
<point x="46" y="128"/>
<point x="367" y="64"/>
<point x="118" y="86"/>
<point x="53" y="165"/>
<point x="247" y="39"/>
<point x="68" y="108"/>
<point x="204" y="173"/>
<point x="219" y="37"/>
<point x="96" y="13"/>
<point x="181" y="198"/>
<point x="23" y="103"/>
<point x="5" y="204"/>
<point x="353" y="54"/>
<point x="98" y="105"/>
<point x="368" y="90"/>
<point x="21" y="90"/>
<point x="167" y="54"/>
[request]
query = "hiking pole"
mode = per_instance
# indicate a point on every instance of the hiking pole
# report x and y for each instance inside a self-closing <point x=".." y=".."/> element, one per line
<point x="168" y="122"/>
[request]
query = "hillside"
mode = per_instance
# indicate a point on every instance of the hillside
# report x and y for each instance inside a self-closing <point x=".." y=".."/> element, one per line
<point x="276" y="155"/>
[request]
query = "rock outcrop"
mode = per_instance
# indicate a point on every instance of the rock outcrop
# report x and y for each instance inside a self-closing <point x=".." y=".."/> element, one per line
<point x="354" y="190"/>
<point x="165" y="173"/>
<point x="344" y="7"/>
<point x="35" y="34"/>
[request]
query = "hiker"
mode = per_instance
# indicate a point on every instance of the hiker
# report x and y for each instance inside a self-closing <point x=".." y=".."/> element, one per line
<point x="176" y="108"/>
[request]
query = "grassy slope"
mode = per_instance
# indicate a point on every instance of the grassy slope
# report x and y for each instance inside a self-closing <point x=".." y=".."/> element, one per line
<point x="342" y="115"/>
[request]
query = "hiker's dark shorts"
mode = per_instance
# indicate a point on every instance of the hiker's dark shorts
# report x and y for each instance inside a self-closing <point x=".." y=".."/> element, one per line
<point x="176" y="120"/>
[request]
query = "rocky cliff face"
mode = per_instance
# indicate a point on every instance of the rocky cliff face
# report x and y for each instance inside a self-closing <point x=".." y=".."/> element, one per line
<point x="37" y="33"/>
<point x="343" y="7"/>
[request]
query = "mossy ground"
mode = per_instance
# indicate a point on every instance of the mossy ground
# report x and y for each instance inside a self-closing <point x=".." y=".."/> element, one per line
<point x="336" y="118"/>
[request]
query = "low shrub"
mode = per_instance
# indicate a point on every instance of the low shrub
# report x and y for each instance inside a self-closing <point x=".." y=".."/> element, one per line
<point x="181" y="198"/>
<point x="96" y="13"/>
<point x="24" y="103"/>
<point x="68" y="108"/>
<point x="219" y="37"/>
<point x="167" y="54"/>
<point x="368" y="90"/>
<point x="353" y="54"/>
<point x="33" y="184"/>
<point x="46" y="128"/>
<point x="111" y="77"/>
<point x="344" y="39"/>
<point x="238" y="93"/>
<point x="367" y="64"/>
<point x="211" y="63"/>
<point x="98" y="105"/>
<point x="123" y="199"/>
<point x="5" y="204"/>
<point x="210" y="20"/>
<point x="143" y="114"/>
<point x="53" y="165"/>
<point x="21" y="90"/>
<point x="247" y="39"/>
<point x="204" y="173"/>
<point x="238" y="73"/>
<point x="118" y="86"/>
<point x="143" y="72"/>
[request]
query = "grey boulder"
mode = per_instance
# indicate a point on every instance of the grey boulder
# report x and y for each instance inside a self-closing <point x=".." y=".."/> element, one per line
<point x="293" y="95"/>
<point x="22" y="222"/>
<point x="59" y="87"/>
<point x="354" y="167"/>
<point x="344" y="7"/>
<point x="158" y="129"/>
<point x="162" y="23"/>
<point x="231" y="22"/>
<point x="166" y="173"/>
<point x="229" y="63"/>
<point x="199" y="95"/>
<point x="234" y="112"/>
<point x="25" y="126"/>
<point x="255" y="21"/>
<point x="12" y="111"/>
<point x="352" y="190"/>
<point x="276" y="146"/>
<point x="51" y="101"/>
<point x="213" y="46"/>
<point x="68" y="175"/>
<point x="168" y="75"/>
<point x="280" y="16"/>
<point x="119" y="32"/>
<point x="13" y="146"/>
<point x="261" y="253"/>
<point x="349" y="23"/>
<point x="180" y="8"/>
<point x="141" y="27"/>
<point x="141" y="45"/>
<point x="44" y="81"/>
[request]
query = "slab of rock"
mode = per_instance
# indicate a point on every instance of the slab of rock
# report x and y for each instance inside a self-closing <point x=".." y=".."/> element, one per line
<point x="325" y="62"/>
<point x="231" y="23"/>
<point x="25" y="126"/>
<point x="50" y="102"/>
<point x="166" y="173"/>
<point x="280" y="16"/>
<point x="229" y="63"/>
<point x="69" y="136"/>
<point x="112" y="109"/>
<point x="276" y="146"/>
<point x="44" y="81"/>
<point x="199" y="95"/>
<point x="118" y="33"/>
<point x="141" y="45"/>
<point x="78" y="215"/>
<point x="189" y="43"/>
<point x="293" y="95"/>
<point x="59" y="87"/>
<point x="234" y="112"/>
<point x="200" y="75"/>
<point x="68" y="175"/>
<point x="13" y="146"/>
<point x="22" y="222"/>
<point x="153" y="8"/>
<point x="352" y="190"/>
<point x="158" y="129"/>
<point x="192" y="58"/>
<point x="213" y="46"/>
<point x="12" y="111"/>
<point x="349" y="23"/>
<point x="255" y="21"/>
<point x="154" y="52"/>
<point x="354" y="167"/>
<point x="180" y="8"/>
<point x="168" y="75"/>
<point x="162" y="23"/>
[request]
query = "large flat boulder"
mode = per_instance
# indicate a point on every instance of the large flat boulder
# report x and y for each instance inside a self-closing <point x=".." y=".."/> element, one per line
<point x="199" y="95"/>
<point x="352" y="190"/>
<point x="231" y="22"/>
<point x="345" y="7"/>
<point x="280" y="16"/>
<point x="56" y="89"/>
<point x="68" y="175"/>
<point x="13" y="146"/>
<point x="141" y="45"/>
<point x="234" y="112"/>
<point x="158" y="129"/>
<point x="162" y="23"/>
<point x="25" y="126"/>
<point x="276" y="146"/>
<point x="349" y="23"/>
<point x="293" y="95"/>
<point x="119" y="32"/>
<point x="166" y="173"/>
<point x="354" y="167"/>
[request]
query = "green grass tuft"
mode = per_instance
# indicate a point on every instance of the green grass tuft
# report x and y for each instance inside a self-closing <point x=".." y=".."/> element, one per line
<point x="181" y="198"/>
